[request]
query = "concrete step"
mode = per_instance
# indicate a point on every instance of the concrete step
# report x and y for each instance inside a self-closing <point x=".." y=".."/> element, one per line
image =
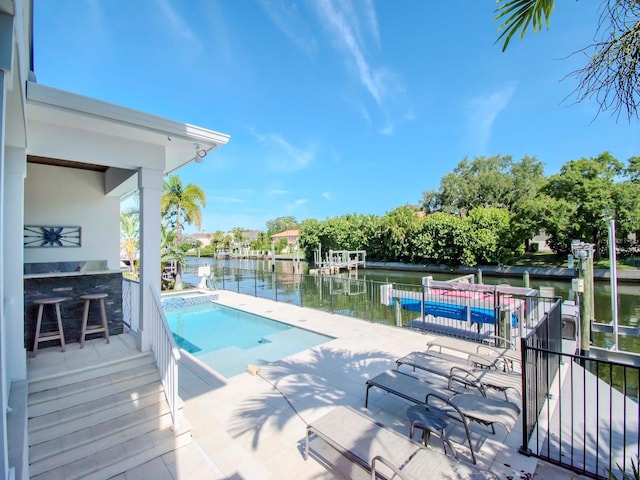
<point x="59" y="451"/>
<point x="98" y="422"/>
<point x="95" y="418"/>
<point x="73" y="395"/>
<point x="99" y="378"/>
<point x="97" y="410"/>
<point x="87" y="373"/>
<point x="121" y="457"/>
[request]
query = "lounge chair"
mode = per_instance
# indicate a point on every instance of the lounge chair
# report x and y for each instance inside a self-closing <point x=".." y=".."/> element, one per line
<point x="508" y="356"/>
<point x="455" y="369"/>
<point x="384" y="452"/>
<point x="463" y="407"/>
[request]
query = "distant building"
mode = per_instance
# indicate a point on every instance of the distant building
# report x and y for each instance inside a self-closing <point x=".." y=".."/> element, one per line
<point x="251" y="235"/>
<point x="203" y="238"/>
<point x="291" y="236"/>
<point x="541" y="241"/>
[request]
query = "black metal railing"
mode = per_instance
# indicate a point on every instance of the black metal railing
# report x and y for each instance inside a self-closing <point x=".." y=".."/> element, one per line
<point x="578" y="412"/>
<point x="477" y="317"/>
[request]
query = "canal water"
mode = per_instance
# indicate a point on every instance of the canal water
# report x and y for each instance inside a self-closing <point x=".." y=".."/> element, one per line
<point x="628" y="294"/>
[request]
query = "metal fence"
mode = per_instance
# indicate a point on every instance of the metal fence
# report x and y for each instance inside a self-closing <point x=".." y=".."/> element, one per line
<point x="578" y="412"/>
<point x="490" y="311"/>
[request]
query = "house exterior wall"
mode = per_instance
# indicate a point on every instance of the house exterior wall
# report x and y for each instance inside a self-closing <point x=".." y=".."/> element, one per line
<point x="59" y="196"/>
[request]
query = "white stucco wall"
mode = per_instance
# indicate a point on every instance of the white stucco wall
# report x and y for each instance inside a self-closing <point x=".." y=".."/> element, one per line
<point x="57" y="196"/>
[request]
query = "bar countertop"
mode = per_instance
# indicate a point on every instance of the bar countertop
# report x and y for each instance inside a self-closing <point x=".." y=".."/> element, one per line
<point x="69" y="274"/>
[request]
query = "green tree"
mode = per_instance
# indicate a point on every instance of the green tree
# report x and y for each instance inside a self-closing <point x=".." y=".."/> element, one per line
<point x="281" y="224"/>
<point x="588" y="184"/>
<point x="396" y="232"/>
<point x="495" y="181"/>
<point x="130" y="237"/>
<point x="612" y="73"/>
<point x="170" y="253"/>
<point x="262" y="242"/>
<point x="238" y="234"/>
<point x="443" y="238"/>
<point x="181" y="205"/>
<point x="492" y="239"/>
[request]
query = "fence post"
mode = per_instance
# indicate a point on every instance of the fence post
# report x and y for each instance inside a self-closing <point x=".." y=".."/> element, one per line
<point x="275" y="275"/>
<point x="330" y="293"/>
<point x="524" y="448"/>
<point x="223" y="287"/>
<point x="300" y="287"/>
<point x="255" y="283"/>
<point x="398" y="311"/>
<point x="372" y="298"/>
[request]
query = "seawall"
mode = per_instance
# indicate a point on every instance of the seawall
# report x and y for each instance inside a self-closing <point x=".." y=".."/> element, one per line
<point x="627" y="276"/>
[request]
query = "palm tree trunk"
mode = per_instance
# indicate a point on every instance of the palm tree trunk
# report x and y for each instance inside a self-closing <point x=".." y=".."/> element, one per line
<point x="178" y="281"/>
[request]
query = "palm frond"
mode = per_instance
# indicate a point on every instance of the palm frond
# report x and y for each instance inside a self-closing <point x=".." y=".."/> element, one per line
<point x="519" y="14"/>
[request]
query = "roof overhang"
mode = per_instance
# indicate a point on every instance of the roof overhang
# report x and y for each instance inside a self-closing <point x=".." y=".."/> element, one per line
<point x="76" y="128"/>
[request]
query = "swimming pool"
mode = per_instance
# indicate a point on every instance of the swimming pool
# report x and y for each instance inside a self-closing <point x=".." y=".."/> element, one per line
<point x="227" y="339"/>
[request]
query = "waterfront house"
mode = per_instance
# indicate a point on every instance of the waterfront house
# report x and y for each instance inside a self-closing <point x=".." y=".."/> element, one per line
<point x="291" y="236"/>
<point x="66" y="162"/>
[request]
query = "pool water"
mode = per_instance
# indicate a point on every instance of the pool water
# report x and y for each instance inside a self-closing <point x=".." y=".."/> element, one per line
<point x="228" y="340"/>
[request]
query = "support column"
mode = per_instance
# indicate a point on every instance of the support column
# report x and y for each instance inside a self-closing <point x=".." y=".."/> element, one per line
<point x="15" y="169"/>
<point x="583" y="253"/>
<point x="150" y="190"/>
<point x="5" y="381"/>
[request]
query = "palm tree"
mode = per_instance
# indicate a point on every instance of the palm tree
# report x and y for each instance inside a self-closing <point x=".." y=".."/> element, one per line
<point x="169" y="250"/>
<point x="182" y="205"/>
<point x="130" y="237"/>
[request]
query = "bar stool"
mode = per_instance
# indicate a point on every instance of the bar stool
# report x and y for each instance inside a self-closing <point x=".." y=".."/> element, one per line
<point x="54" y="334"/>
<point x="85" y="317"/>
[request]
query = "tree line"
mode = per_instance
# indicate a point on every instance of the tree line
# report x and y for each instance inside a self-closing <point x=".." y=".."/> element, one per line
<point x="485" y="211"/>
<point x="488" y="209"/>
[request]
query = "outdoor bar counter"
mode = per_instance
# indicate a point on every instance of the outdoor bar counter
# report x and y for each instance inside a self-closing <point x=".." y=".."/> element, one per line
<point x="70" y="280"/>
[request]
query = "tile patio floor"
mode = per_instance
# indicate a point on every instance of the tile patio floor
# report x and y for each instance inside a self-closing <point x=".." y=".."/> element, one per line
<point x="243" y="428"/>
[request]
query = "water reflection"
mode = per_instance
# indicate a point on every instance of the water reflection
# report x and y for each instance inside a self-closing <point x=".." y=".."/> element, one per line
<point x="289" y="287"/>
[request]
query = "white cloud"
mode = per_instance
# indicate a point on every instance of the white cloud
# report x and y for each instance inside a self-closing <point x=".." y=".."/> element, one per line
<point x="282" y="155"/>
<point x="344" y="24"/>
<point x="326" y="195"/>
<point x="482" y="112"/>
<point x="179" y="28"/>
<point x="300" y="201"/>
<point x="278" y="192"/>
<point x="286" y="16"/>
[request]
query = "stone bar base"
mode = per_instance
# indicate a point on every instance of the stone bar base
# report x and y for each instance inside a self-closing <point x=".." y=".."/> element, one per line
<point x="71" y="310"/>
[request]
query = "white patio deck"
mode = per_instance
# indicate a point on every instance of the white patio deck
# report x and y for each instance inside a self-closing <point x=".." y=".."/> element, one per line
<point x="244" y="429"/>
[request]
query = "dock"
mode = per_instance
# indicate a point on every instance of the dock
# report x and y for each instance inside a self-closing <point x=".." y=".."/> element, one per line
<point x="338" y="261"/>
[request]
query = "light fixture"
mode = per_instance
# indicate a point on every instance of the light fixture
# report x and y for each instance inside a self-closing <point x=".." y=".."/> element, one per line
<point x="200" y="154"/>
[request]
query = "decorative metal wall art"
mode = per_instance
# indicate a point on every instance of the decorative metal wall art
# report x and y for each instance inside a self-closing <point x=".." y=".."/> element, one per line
<point x="45" y="236"/>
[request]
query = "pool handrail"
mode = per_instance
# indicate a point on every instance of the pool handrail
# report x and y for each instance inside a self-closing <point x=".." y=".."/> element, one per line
<point x="166" y="354"/>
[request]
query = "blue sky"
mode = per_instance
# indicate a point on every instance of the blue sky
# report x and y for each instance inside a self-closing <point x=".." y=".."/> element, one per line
<point x="333" y="106"/>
